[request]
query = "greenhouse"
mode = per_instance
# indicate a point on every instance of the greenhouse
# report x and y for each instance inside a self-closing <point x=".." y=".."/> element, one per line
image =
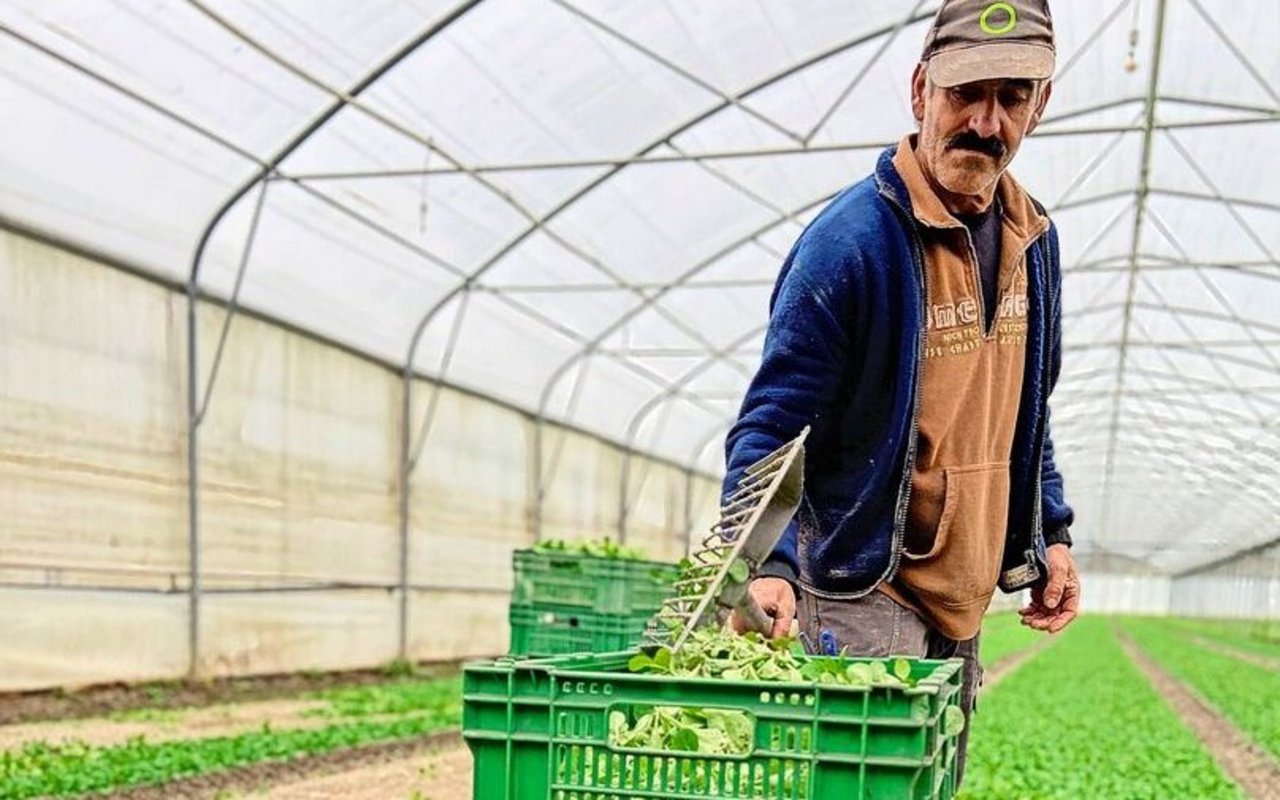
<point x="330" y="332"/>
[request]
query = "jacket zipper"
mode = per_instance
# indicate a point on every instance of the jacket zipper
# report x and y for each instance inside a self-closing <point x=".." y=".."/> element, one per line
<point x="1037" y="512"/>
<point x="904" y="484"/>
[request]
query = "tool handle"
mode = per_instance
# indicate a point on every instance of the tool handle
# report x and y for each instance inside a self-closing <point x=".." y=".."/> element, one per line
<point x="750" y="612"/>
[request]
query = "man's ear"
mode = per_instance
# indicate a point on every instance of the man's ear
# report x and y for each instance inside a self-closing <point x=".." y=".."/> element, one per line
<point x="1045" y="90"/>
<point x="918" y="86"/>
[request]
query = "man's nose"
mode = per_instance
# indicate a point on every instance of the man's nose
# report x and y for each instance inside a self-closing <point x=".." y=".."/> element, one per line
<point x="985" y="120"/>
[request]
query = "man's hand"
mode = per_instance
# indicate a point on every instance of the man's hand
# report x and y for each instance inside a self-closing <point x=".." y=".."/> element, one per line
<point x="1054" y="605"/>
<point x="777" y="599"/>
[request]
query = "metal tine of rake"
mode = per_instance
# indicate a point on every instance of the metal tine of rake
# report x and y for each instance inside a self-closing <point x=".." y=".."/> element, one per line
<point x="748" y="483"/>
<point x="729" y="534"/>
<point x="713" y="549"/>
<point x="746" y="498"/>
<point x="776" y="457"/>
<point x="735" y="516"/>
<point x="743" y="501"/>
<point x="753" y="485"/>
<point x="746" y="493"/>
<point x="758" y="475"/>
<point x="710" y="544"/>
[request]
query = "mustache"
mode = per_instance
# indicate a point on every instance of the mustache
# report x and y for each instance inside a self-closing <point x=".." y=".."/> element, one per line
<point x="968" y="140"/>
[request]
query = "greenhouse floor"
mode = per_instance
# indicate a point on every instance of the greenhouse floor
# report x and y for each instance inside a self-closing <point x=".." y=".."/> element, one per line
<point x="1114" y="708"/>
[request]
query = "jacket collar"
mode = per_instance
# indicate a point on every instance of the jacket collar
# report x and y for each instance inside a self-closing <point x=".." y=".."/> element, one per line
<point x="901" y="180"/>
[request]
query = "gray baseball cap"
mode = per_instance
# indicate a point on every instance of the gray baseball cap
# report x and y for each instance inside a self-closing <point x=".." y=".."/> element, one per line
<point x="978" y="40"/>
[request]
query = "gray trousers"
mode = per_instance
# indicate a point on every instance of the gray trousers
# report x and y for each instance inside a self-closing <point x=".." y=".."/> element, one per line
<point x="877" y="626"/>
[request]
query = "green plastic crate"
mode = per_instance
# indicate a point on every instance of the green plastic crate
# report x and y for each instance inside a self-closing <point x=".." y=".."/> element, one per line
<point x="538" y="730"/>
<point x="543" y="630"/>
<point x="602" y="585"/>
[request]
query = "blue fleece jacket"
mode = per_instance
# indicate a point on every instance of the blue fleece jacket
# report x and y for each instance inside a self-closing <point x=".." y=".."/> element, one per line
<point x="842" y="355"/>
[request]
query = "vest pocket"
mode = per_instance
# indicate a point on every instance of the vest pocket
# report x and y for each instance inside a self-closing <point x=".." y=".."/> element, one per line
<point x="961" y="564"/>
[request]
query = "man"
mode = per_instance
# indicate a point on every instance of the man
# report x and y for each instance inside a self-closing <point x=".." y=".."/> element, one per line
<point x="916" y="327"/>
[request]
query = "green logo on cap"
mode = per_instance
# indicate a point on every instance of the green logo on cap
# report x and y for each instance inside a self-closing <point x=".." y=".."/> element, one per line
<point x="984" y="21"/>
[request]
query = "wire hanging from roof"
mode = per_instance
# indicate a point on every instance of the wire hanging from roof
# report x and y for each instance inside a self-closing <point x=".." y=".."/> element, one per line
<point x="422" y="202"/>
<point x="1131" y="60"/>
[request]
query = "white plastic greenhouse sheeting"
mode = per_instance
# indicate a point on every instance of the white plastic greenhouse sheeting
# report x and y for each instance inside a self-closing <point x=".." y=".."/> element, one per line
<point x="578" y="207"/>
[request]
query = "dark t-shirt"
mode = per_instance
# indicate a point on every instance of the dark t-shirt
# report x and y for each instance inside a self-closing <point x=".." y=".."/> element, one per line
<point x="984" y="229"/>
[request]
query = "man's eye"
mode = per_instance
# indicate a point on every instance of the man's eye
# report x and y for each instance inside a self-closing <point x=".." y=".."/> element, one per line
<point x="1014" y="99"/>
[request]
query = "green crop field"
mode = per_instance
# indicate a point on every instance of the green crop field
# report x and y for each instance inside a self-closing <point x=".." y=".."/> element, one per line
<point x="1079" y="720"/>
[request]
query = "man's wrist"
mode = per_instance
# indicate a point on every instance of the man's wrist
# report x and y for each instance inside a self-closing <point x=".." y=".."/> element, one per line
<point x="1059" y="535"/>
<point x="776" y="568"/>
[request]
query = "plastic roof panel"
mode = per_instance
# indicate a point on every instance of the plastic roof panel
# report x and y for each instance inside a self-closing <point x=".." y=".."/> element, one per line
<point x="733" y="44"/>
<point x="1237" y="39"/>
<point x="489" y="90"/>
<point x="172" y="55"/>
<point x="111" y="193"/>
<point x="579" y="206"/>
<point x="334" y="40"/>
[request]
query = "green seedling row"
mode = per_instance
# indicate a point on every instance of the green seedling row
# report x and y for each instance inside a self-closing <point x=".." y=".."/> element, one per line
<point x="404" y="697"/>
<point x="1247" y="694"/>
<point x="1080" y="721"/>
<point x="1259" y="637"/>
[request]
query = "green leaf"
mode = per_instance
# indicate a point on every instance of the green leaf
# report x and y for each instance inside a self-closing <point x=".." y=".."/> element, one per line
<point x="952" y="721"/>
<point x="859" y="674"/>
<point x="662" y="659"/>
<point x="739" y="572"/>
<point x="902" y="669"/>
<point x="684" y="740"/>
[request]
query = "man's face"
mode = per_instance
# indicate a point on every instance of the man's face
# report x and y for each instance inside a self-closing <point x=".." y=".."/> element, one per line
<point x="969" y="133"/>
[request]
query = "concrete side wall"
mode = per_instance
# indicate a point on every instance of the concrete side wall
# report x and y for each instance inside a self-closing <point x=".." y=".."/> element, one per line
<point x="1242" y="597"/>
<point x="299" y="492"/>
<point x="1113" y="593"/>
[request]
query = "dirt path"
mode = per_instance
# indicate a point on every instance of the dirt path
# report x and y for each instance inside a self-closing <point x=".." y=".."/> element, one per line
<point x="192" y="723"/>
<point x="1005" y="666"/>
<point x="1245" y="762"/>
<point x="1224" y="649"/>
<point x="442" y="776"/>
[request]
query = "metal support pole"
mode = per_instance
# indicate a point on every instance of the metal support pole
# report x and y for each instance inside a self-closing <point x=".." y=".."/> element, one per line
<point x="538" y="490"/>
<point x="406" y="470"/>
<point x="193" y="485"/>
<point x="624" y="495"/>
<point x="687" y="534"/>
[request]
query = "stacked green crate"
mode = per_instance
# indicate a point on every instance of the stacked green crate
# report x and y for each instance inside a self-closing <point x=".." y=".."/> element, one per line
<point x="541" y="729"/>
<point x="569" y="601"/>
